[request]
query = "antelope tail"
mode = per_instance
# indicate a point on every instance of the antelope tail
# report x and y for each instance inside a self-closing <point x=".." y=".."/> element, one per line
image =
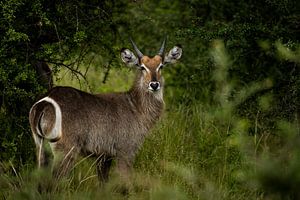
<point x="45" y="120"/>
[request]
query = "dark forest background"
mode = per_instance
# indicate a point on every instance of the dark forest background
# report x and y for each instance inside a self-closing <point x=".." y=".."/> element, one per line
<point x="238" y="83"/>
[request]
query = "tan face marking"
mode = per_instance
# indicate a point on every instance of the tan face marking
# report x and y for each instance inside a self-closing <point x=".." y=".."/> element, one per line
<point x="152" y="66"/>
<point x="151" y="63"/>
<point x="151" y="74"/>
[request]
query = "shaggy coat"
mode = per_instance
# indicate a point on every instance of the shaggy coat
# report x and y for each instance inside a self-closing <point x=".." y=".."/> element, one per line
<point x="106" y="126"/>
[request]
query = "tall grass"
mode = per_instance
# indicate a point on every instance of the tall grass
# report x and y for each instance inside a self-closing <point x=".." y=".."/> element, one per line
<point x="187" y="156"/>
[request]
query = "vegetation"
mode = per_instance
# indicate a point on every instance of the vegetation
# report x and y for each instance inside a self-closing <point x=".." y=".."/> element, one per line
<point x="231" y="125"/>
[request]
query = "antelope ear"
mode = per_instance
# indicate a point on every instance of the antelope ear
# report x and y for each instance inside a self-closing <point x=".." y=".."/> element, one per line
<point x="173" y="55"/>
<point x="129" y="58"/>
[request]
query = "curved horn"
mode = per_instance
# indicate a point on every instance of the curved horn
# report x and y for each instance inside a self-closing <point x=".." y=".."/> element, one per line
<point x="162" y="48"/>
<point x="138" y="52"/>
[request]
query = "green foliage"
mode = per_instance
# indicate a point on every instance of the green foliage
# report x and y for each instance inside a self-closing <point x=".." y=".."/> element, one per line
<point x="34" y="32"/>
<point x="243" y="27"/>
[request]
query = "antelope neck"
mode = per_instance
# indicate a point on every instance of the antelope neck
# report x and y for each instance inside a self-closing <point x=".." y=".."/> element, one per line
<point x="146" y="102"/>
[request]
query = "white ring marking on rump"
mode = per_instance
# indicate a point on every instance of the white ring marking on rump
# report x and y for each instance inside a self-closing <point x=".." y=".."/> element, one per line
<point x="56" y="131"/>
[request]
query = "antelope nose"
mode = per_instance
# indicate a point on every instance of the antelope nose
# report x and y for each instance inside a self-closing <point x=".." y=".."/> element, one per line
<point x="154" y="86"/>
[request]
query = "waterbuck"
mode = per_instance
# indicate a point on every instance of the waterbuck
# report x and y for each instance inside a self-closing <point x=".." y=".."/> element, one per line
<point x="106" y="126"/>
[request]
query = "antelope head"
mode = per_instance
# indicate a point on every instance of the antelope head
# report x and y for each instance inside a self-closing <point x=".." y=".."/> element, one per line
<point x="151" y="78"/>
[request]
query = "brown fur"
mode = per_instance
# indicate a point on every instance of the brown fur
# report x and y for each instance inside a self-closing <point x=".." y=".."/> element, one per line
<point x="152" y="64"/>
<point x="104" y="125"/>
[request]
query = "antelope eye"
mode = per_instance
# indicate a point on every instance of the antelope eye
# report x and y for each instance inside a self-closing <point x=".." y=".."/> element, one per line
<point x="143" y="68"/>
